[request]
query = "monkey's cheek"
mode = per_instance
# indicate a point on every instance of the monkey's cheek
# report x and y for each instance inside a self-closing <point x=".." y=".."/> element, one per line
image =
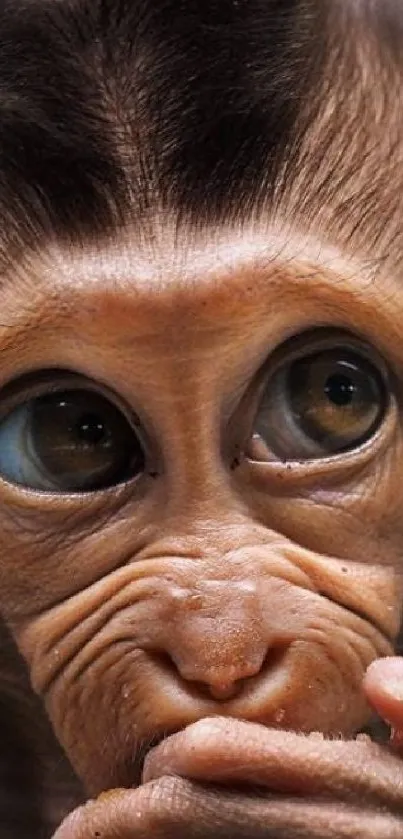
<point x="170" y="808"/>
<point x="317" y="687"/>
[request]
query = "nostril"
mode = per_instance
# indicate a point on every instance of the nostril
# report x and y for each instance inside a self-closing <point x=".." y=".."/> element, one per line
<point x="211" y="685"/>
<point x="222" y="683"/>
<point x="225" y="692"/>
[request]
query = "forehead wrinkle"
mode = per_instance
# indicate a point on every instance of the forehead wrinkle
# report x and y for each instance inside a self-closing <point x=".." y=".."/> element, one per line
<point x="274" y="272"/>
<point x="189" y="262"/>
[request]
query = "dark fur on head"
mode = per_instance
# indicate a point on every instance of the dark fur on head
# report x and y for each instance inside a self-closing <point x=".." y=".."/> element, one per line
<point x="112" y="111"/>
<point x="109" y="107"/>
<point x="119" y="113"/>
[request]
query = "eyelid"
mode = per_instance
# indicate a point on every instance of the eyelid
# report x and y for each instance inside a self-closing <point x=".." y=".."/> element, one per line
<point x="332" y="470"/>
<point x="23" y="393"/>
<point x="39" y="383"/>
<point x="320" y="339"/>
<point x="303" y="346"/>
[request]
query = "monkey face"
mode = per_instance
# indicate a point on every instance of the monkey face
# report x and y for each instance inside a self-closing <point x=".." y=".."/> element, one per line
<point x="194" y="474"/>
<point x="201" y="399"/>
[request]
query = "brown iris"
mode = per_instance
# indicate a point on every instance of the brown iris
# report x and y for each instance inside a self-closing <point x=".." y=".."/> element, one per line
<point x="83" y="440"/>
<point x="321" y="404"/>
<point x="69" y="441"/>
<point x="335" y="401"/>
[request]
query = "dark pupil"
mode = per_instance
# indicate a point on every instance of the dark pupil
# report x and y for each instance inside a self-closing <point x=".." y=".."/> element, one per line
<point x="340" y="389"/>
<point x="90" y="429"/>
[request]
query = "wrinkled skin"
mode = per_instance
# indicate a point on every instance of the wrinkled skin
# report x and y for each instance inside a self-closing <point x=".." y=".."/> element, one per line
<point x="209" y="633"/>
<point x="151" y="614"/>
<point x="296" y="777"/>
<point x="181" y="794"/>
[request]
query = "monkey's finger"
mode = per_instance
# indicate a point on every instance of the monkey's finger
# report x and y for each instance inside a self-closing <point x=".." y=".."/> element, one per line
<point x="172" y="807"/>
<point x="128" y="814"/>
<point x="383" y="685"/>
<point x="232" y="752"/>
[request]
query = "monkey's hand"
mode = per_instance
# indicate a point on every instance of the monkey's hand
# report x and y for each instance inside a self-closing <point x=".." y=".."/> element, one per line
<point x="225" y="779"/>
<point x="384" y="689"/>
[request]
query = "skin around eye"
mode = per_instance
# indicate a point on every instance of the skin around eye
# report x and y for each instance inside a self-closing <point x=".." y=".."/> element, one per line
<point x="319" y="405"/>
<point x="68" y="441"/>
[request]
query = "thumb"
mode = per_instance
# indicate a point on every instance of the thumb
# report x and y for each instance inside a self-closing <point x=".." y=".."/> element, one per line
<point x="383" y="687"/>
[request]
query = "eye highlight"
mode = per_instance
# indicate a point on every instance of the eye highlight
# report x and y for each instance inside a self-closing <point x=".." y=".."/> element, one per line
<point x="72" y="440"/>
<point x="318" y="405"/>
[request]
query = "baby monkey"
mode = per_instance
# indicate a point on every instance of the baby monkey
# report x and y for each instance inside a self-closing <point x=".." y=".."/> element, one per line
<point x="201" y="435"/>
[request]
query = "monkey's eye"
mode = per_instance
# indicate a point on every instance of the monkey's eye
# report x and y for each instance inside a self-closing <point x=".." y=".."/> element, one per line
<point x="68" y="441"/>
<point x="319" y="405"/>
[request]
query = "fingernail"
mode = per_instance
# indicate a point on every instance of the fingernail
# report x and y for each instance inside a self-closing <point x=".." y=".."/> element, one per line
<point x="394" y="688"/>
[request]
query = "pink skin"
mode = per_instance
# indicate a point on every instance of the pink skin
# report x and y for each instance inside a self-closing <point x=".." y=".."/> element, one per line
<point x="383" y="685"/>
<point x="176" y="798"/>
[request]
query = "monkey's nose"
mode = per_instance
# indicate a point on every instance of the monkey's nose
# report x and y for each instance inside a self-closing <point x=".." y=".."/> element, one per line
<point x="220" y="683"/>
<point x="225" y="691"/>
<point x="221" y="642"/>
